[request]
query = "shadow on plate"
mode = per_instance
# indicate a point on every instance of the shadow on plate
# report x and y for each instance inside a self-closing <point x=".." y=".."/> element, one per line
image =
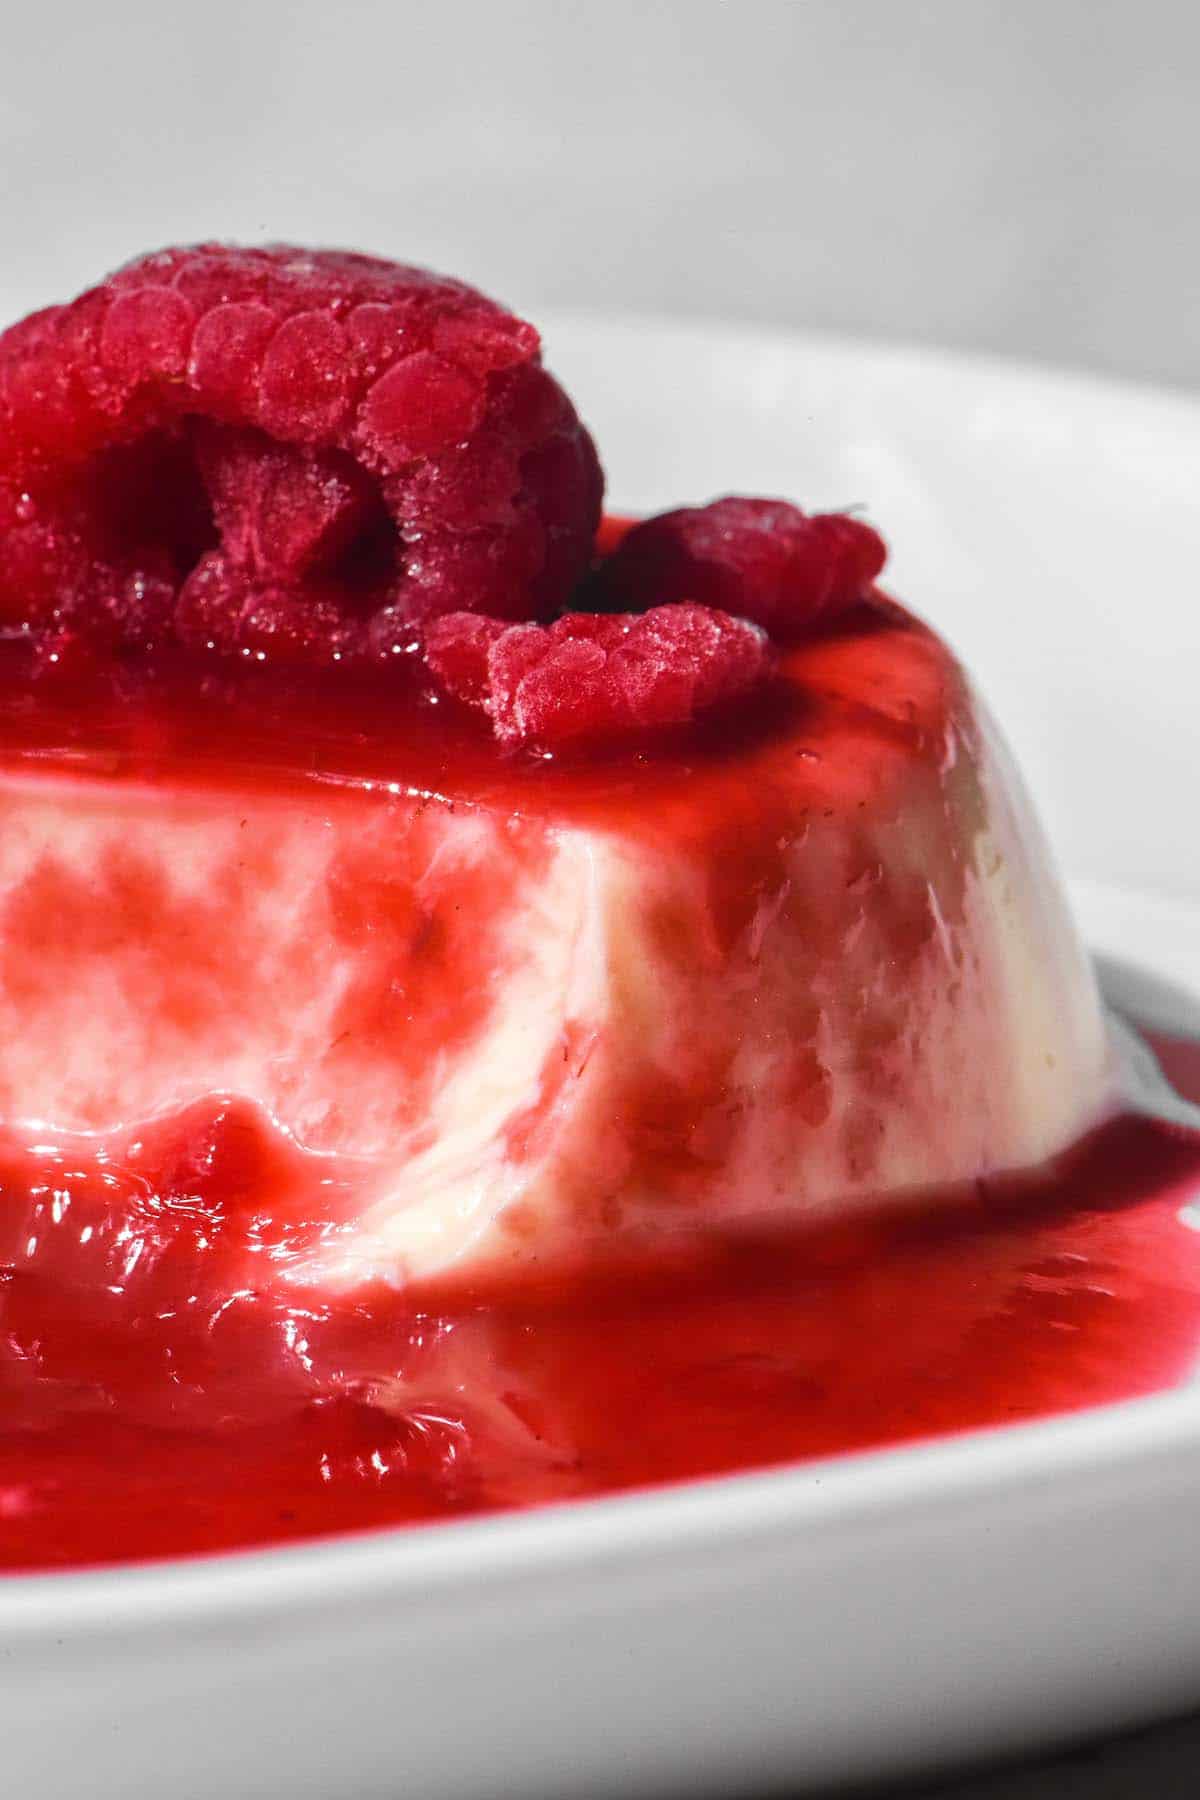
<point x="1147" y="999"/>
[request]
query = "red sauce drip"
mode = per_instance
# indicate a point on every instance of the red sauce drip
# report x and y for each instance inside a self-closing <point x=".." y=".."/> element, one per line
<point x="163" y="1391"/>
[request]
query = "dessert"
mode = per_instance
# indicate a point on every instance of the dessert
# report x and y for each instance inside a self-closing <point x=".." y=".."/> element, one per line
<point x="801" y="957"/>
<point x="422" y="902"/>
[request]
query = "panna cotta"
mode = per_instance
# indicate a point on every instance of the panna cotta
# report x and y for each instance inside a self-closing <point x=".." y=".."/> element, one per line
<point x="812" y="963"/>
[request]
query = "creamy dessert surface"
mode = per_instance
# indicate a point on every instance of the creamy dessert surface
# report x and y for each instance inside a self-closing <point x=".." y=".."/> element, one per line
<point x="820" y="966"/>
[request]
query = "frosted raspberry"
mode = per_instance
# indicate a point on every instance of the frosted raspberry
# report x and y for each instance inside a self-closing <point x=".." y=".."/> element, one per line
<point x="597" y="677"/>
<point x="760" y="559"/>
<point x="283" y="452"/>
<point x="456" y="649"/>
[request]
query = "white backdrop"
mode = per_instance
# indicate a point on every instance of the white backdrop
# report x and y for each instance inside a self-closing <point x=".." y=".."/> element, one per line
<point x="1018" y="176"/>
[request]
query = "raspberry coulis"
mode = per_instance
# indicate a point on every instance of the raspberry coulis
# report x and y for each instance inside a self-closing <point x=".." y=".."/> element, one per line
<point x="165" y="1393"/>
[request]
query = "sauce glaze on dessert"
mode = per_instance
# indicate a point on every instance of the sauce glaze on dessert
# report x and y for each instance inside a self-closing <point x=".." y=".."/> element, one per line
<point x="788" y="963"/>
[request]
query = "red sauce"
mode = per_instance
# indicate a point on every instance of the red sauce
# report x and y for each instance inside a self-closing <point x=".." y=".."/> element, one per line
<point x="850" y="705"/>
<point x="163" y="1392"/>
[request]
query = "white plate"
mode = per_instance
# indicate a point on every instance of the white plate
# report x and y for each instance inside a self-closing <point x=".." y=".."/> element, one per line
<point x="880" y="1612"/>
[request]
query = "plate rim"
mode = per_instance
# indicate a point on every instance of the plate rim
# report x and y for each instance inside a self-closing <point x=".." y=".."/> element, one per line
<point x="1066" y="379"/>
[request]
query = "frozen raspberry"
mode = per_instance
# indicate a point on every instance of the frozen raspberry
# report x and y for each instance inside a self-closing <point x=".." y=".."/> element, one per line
<point x="759" y="559"/>
<point x="283" y="452"/>
<point x="457" y="648"/>
<point x="597" y="677"/>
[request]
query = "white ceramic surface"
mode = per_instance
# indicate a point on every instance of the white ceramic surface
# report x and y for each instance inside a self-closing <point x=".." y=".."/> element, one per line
<point x="883" y="1612"/>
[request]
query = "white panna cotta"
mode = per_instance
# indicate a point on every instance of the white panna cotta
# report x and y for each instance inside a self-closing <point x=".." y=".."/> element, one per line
<point x="817" y="967"/>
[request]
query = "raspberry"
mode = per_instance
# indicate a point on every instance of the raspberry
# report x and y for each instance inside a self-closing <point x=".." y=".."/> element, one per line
<point x="597" y="677"/>
<point x="759" y="559"/>
<point x="456" y="649"/>
<point x="283" y="452"/>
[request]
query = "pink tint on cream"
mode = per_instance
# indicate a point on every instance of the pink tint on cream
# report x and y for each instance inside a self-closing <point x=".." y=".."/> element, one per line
<point x="768" y="973"/>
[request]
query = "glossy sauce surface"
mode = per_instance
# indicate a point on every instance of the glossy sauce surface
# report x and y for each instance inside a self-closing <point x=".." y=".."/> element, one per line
<point x="162" y="1391"/>
<point x="878" y="688"/>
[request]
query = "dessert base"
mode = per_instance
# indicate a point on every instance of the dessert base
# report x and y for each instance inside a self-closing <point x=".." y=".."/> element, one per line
<point x="517" y="1010"/>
